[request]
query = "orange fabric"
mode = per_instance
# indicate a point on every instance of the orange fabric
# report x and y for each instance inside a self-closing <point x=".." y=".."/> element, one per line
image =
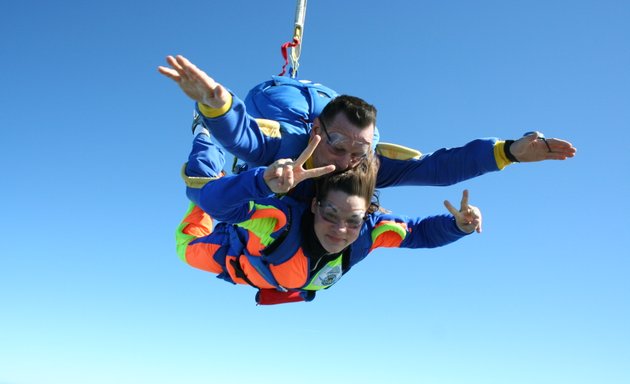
<point x="200" y="255"/>
<point x="293" y="272"/>
<point x="387" y="239"/>
<point x="253" y="244"/>
<point x="253" y="275"/>
<point x="199" y="223"/>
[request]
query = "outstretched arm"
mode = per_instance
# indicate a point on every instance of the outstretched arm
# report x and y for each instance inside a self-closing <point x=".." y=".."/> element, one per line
<point x="394" y="231"/>
<point x="448" y="166"/>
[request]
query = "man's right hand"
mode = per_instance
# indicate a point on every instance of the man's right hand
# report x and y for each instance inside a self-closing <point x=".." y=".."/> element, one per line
<point x="195" y="83"/>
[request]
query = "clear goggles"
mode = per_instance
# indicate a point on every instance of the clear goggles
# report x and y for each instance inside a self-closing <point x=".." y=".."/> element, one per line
<point x="329" y="213"/>
<point x="340" y="144"/>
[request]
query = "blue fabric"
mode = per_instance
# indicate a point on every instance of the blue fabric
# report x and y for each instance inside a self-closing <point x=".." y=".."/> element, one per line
<point x="205" y="159"/>
<point x="440" y="168"/>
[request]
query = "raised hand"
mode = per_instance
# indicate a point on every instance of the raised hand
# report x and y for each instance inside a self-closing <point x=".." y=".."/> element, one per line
<point x="195" y="83"/>
<point x="534" y="147"/>
<point x="284" y="174"/>
<point x="468" y="217"/>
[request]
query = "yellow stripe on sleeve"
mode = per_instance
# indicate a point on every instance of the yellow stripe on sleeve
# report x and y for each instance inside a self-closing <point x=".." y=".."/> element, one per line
<point x="210" y="112"/>
<point x="499" y="155"/>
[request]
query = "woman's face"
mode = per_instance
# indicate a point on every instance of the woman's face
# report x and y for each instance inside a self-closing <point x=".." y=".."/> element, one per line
<point x="338" y="220"/>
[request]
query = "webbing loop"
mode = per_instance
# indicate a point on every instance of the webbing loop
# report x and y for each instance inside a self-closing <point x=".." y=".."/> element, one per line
<point x="283" y="49"/>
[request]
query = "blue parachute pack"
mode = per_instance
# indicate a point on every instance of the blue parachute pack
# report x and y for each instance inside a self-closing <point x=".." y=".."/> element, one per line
<point x="289" y="100"/>
<point x="296" y="102"/>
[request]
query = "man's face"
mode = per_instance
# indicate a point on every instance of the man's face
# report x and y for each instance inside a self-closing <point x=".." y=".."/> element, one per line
<point x="343" y="144"/>
<point x="338" y="220"/>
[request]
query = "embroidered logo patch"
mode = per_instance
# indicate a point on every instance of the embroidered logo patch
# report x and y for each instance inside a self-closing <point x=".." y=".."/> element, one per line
<point x="328" y="275"/>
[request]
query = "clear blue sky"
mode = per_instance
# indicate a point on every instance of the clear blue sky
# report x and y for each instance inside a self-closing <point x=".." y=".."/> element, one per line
<point x="92" y="139"/>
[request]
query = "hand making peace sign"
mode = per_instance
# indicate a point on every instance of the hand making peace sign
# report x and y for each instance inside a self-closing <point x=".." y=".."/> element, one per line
<point x="468" y="218"/>
<point x="285" y="174"/>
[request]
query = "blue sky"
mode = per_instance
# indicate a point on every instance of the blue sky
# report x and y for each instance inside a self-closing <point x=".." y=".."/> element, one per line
<point x="93" y="138"/>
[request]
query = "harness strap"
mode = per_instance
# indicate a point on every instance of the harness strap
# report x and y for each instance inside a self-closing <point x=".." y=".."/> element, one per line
<point x="240" y="273"/>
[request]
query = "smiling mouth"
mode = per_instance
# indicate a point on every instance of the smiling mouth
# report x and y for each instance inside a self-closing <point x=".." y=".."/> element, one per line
<point x="335" y="239"/>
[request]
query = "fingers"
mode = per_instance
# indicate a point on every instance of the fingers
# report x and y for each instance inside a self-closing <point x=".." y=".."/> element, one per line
<point x="195" y="83"/>
<point x="172" y="61"/>
<point x="316" y="172"/>
<point x="287" y="173"/>
<point x="557" y="156"/>
<point x="190" y="70"/>
<point x="276" y="172"/>
<point x="557" y="143"/>
<point x="182" y="69"/>
<point x="181" y="64"/>
<point x="475" y="218"/>
<point x="279" y="167"/>
<point x="468" y="217"/>
<point x="289" y="178"/>
<point x="464" y="202"/>
<point x="450" y="208"/>
<point x="187" y="69"/>
<point x="310" y="148"/>
<point x="219" y="91"/>
<point x="561" y="148"/>
<point x="170" y="73"/>
<point x="284" y="174"/>
<point x="279" y="176"/>
<point x="174" y="71"/>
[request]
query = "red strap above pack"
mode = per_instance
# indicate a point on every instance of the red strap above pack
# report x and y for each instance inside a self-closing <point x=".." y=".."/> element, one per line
<point x="284" y="50"/>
